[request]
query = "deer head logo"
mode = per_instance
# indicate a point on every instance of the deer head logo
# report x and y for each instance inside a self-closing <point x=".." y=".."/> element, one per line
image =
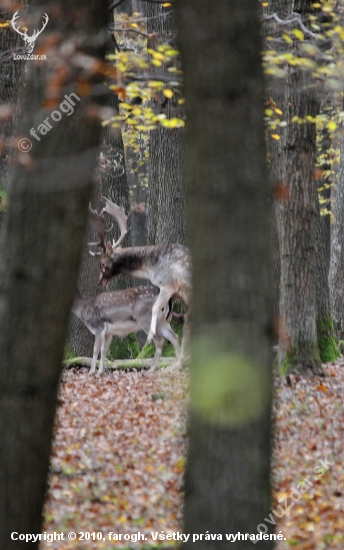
<point x="29" y="40"/>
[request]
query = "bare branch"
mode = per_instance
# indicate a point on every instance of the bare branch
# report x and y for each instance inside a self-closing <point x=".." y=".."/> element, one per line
<point x="118" y="2"/>
<point x="112" y="29"/>
<point x="296" y="19"/>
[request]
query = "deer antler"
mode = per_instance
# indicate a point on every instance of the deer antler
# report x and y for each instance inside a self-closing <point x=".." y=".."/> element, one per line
<point x="98" y="223"/>
<point x="118" y="214"/>
<point x="37" y="32"/>
<point x="13" y="21"/>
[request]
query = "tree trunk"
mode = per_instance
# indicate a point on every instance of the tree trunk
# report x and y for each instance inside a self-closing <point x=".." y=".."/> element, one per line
<point x="297" y="210"/>
<point x="40" y="244"/>
<point x="11" y="84"/>
<point x="325" y="327"/>
<point x="166" y="198"/>
<point x="337" y="253"/>
<point x="227" y="486"/>
<point x="111" y="182"/>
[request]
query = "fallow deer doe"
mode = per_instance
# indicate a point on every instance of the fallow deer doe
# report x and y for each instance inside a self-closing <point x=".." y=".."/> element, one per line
<point x="120" y="313"/>
<point x="167" y="266"/>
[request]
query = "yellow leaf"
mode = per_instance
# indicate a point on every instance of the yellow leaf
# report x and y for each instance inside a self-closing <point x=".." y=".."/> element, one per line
<point x="171" y="53"/>
<point x="155" y="84"/>
<point x="299" y="34"/>
<point x="158" y="55"/>
<point x="265" y="4"/>
<point x="275" y="136"/>
<point x="156" y="62"/>
<point x="2" y="25"/>
<point x="168" y="93"/>
<point x="317" y="6"/>
<point x="278" y="111"/>
<point x="287" y="38"/>
<point x="181" y="101"/>
<point x="166" y="5"/>
<point x="331" y="126"/>
<point x="134" y="25"/>
<point x="269" y="112"/>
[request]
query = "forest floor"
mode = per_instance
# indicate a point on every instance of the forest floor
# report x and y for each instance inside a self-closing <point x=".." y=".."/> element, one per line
<point x="119" y="452"/>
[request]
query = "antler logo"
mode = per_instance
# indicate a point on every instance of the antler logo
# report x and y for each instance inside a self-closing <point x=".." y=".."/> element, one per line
<point x="29" y="40"/>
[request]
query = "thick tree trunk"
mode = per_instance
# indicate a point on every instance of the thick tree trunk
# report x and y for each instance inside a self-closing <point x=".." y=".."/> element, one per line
<point x="166" y="199"/>
<point x="111" y="182"/>
<point x="337" y="253"/>
<point x="297" y="211"/>
<point x="325" y="327"/>
<point x="229" y="209"/>
<point x="11" y="84"/>
<point x="40" y="246"/>
<point x="297" y="215"/>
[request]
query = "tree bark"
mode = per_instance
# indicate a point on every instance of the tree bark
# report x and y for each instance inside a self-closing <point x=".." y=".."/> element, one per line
<point x="337" y="253"/>
<point x="111" y="182"/>
<point x="227" y="485"/>
<point x="40" y="244"/>
<point x="166" y="195"/>
<point x="297" y="210"/>
<point x="11" y="84"/>
<point x="325" y="326"/>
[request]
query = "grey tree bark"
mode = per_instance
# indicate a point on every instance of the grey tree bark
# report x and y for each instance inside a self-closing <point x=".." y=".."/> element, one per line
<point x="227" y="485"/>
<point x="40" y="247"/>
<point x="11" y="84"/>
<point x="298" y="220"/>
<point x="111" y="182"/>
<point x="166" y="190"/>
<point x="337" y="253"/>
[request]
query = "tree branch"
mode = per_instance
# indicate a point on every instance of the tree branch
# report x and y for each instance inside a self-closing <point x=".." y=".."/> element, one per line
<point x="112" y="29"/>
<point x="296" y="19"/>
<point x="118" y="2"/>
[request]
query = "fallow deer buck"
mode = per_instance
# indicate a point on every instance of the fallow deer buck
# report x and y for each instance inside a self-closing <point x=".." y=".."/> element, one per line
<point x="167" y="266"/>
<point x="120" y="313"/>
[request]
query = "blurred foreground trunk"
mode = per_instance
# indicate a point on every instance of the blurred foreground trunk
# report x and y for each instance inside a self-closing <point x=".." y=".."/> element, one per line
<point x="41" y="241"/>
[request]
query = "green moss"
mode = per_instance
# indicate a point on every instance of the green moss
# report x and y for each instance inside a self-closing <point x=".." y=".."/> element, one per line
<point x="327" y="344"/>
<point x="167" y="350"/>
<point x="68" y="353"/>
<point x="147" y="351"/>
<point x="123" y="348"/>
<point x="303" y="359"/>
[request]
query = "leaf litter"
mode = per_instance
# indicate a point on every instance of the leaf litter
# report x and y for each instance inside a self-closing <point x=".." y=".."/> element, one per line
<point x="118" y="458"/>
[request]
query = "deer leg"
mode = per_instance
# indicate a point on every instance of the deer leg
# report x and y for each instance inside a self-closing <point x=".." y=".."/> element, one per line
<point x="184" y="356"/>
<point x="159" y="342"/>
<point x="161" y="302"/>
<point x="172" y="337"/>
<point x="96" y="349"/>
<point x="106" y="339"/>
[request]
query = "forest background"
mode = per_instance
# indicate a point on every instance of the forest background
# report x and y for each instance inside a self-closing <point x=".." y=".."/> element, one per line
<point x="241" y="305"/>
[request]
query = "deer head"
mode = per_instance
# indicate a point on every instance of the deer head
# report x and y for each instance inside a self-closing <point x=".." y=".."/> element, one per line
<point x="29" y="40"/>
<point x="98" y="223"/>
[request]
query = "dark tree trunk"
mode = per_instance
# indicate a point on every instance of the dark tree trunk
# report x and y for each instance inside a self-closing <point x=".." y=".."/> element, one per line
<point x="325" y="327"/>
<point x="11" y="84"/>
<point x="337" y="252"/>
<point x="166" y="200"/>
<point x="40" y="245"/>
<point x="227" y="485"/>
<point x="111" y="182"/>
<point x="297" y="212"/>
